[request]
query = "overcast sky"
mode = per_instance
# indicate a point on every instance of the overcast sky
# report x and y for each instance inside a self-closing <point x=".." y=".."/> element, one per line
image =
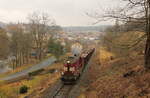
<point x="65" y="12"/>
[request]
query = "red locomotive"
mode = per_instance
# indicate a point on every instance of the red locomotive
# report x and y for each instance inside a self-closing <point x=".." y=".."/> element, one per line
<point x="74" y="66"/>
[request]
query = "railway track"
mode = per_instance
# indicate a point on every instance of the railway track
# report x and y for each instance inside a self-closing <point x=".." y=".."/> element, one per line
<point x="68" y="91"/>
<point x="62" y="91"/>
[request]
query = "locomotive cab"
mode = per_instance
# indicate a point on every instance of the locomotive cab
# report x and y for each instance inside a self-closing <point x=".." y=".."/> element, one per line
<point x="68" y="67"/>
<point x="70" y="74"/>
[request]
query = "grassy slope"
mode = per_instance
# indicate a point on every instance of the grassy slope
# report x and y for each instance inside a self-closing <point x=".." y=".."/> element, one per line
<point x="120" y="44"/>
<point x="23" y="67"/>
<point x="108" y="79"/>
<point x="109" y="82"/>
<point x="36" y="85"/>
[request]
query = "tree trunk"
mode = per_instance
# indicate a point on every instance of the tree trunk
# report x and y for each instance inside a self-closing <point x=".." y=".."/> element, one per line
<point x="20" y="58"/>
<point x="24" y="59"/>
<point x="16" y="61"/>
<point x="40" y="51"/>
<point x="147" y="53"/>
<point x="147" y="49"/>
<point x="13" y="62"/>
<point x="27" y="58"/>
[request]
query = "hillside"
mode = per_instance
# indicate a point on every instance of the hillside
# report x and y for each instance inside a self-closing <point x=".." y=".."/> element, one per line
<point x="118" y="78"/>
<point x="124" y="44"/>
<point x="2" y="24"/>
<point x="114" y="76"/>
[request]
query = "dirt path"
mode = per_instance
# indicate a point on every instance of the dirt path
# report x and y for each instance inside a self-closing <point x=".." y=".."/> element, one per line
<point x="43" y="64"/>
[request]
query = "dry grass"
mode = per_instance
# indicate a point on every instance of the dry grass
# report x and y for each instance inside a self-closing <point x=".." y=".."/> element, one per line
<point x="23" y="67"/>
<point x="36" y="85"/>
<point x="13" y="71"/>
<point x="128" y="37"/>
<point x="104" y="56"/>
<point x="119" y="74"/>
<point x="122" y="45"/>
<point x="108" y="79"/>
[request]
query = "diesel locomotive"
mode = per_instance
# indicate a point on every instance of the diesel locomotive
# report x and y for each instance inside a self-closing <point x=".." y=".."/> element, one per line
<point x="75" y="65"/>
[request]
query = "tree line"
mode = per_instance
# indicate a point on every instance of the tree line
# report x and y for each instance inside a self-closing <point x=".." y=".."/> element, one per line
<point x="23" y="41"/>
<point x="135" y="14"/>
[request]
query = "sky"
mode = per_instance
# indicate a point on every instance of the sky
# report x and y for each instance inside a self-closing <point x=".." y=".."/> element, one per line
<point x="65" y="12"/>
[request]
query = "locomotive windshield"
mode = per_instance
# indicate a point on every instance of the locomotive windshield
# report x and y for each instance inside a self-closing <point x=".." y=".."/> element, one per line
<point x="68" y="62"/>
<point x="70" y="59"/>
<point x="68" y="68"/>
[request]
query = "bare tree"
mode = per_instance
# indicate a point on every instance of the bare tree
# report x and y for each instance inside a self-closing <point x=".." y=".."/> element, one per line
<point x="4" y="44"/>
<point x="39" y="28"/>
<point x="27" y="42"/>
<point x="135" y="11"/>
<point x="21" y="44"/>
<point x="147" y="49"/>
<point x="16" y="43"/>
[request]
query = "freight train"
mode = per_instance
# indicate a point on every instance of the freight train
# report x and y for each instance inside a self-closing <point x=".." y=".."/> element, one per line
<point x="75" y="65"/>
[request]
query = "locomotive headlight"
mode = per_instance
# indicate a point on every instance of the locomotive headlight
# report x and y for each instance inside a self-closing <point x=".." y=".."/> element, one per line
<point x="62" y="73"/>
<point x="68" y="62"/>
<point x="72" y="69"/>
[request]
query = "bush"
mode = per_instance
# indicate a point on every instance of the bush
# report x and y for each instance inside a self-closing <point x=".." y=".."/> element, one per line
<point x="36" y="72"/>
<point x="52" y="71"/>
<point x="55" y="48"/>
<point x="23" y="89"/>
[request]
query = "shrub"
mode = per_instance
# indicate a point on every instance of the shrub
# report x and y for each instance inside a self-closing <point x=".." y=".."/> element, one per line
<point x="23" y="89"/>
<point x="36" y="72"/>
<point x="55" y="48"/>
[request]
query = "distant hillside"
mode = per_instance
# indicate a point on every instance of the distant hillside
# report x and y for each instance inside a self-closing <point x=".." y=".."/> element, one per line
<point x="2" y="24"/>
<point x="85" y="28"/>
